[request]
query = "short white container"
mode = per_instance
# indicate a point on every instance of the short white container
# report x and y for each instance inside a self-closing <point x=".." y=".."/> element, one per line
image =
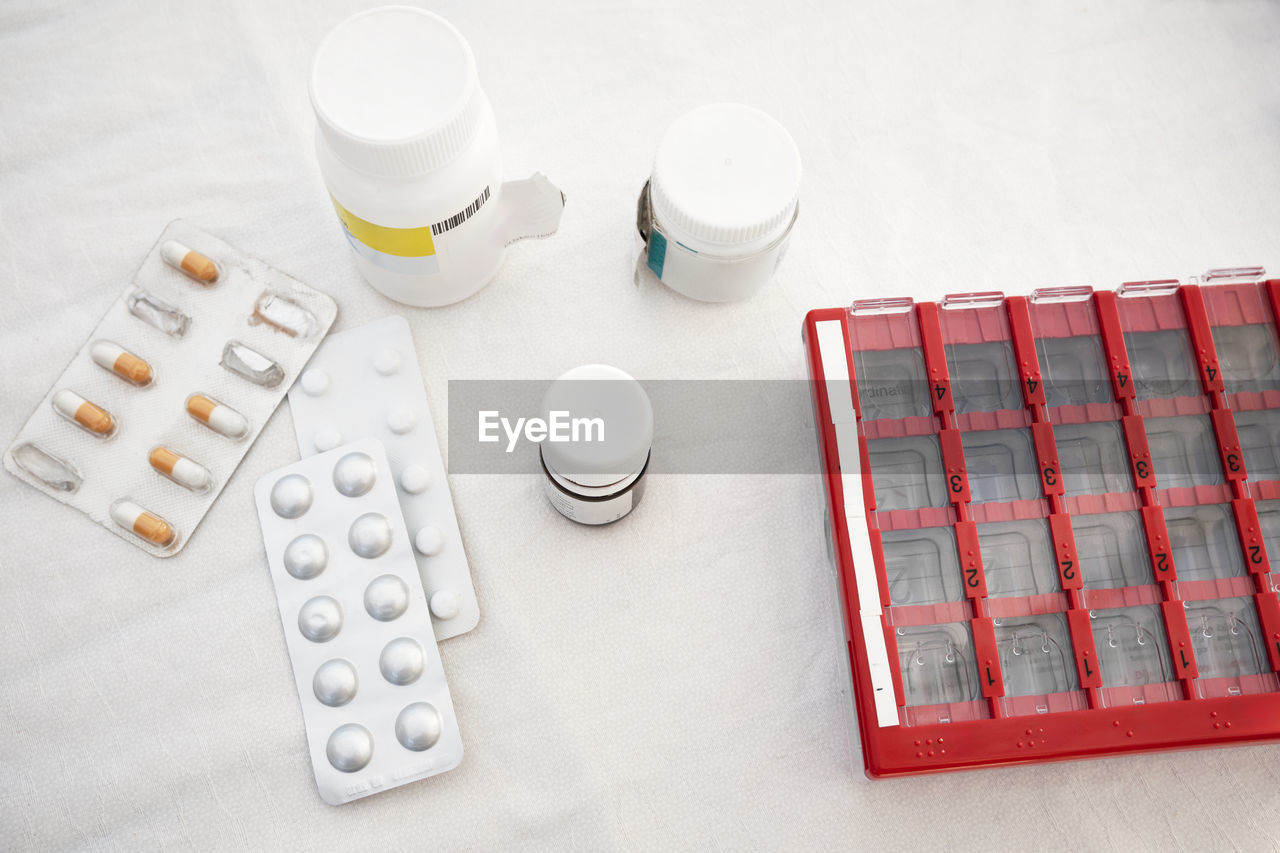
<point x="717" y="213"/>
<point x="408" y="150"/>
<point x="597" y="479"/>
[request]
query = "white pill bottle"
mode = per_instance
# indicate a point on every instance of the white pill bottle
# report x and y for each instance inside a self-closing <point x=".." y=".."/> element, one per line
<point x="408" y="149"/>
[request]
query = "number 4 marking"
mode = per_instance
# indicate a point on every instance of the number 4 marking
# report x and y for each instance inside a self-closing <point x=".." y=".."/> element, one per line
<point x="1123" y="379"/>
<point x="1032" y="385"/>
<point x="940" y="390"/>
<point x="1210" y="371"/>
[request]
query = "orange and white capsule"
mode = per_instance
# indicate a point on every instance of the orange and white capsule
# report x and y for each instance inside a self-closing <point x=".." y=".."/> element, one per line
<point x="121" y="362"/>
<point x="141" y="523"/>
<point x="84" y="414"/>
<point x="180" y="469"/>
<point x="219" y="418"/>
<point x="189" y="261"/>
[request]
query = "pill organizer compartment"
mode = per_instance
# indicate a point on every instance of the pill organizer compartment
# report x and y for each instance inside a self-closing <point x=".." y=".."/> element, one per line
<point x="1161" y="364"/>
<point x="1134" y="655"/>
<point x="1001" y="465"/>
<point x="922" y="566"/>
<point x="1017" y="558"/>
<point x="907" y="472"/>
<point x="891" y="383"/>
<point x="1184" y="451"/>
<point x="1093" y="457"/>
<point x="1111" y="548"/>
<point x="1259" y="433"/>
<point x="939" y="673"/>
<point x="1204" y="541"/>
<point x="983" y="377"/>
<point x="1229" y="647"/>
<point x="1248" y="357"/>
<point x="1075" y="373"/>
<point x="1269" y="523"/>
<point x="1038" y="666"/>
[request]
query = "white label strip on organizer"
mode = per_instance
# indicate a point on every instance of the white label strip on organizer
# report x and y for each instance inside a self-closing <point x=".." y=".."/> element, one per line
<point x="839" y="392"/>
<point x="375" y="703"/>
<point x="366" y="383"/>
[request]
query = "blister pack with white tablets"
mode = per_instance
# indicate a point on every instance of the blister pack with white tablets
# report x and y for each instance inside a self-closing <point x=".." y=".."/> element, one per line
<point x="374" y="699"/>
<point x="365" y="383"/>
<point x="146" y="424"/>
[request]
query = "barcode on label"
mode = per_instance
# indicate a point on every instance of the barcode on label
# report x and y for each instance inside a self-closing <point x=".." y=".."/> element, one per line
<point x="462" y="216"/>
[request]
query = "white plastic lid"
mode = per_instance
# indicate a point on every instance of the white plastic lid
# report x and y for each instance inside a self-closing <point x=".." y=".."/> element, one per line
<point x="727" y="175"/>
<point x="617" y="399"/>
<point x="395" y="91"/>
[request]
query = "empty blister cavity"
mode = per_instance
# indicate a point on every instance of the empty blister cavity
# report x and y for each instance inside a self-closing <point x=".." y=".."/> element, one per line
<point x="56" y="473"/>
<point x="283" y="314"/>
<point x="306" y="556"/>
<point x="891" y="383"/>
<point x="1001" y="465"/>
<point x="907" y="472"/>
<point x="419" y="726"/>
<point x="922" y="566"/>
<point x="349" y="748"/>
<point x="1184" y="451"/>
<point x="354" y="474"/>
<point x="386" y="598"/>
<point x="1204" y="542"/>
<point x="1131" y="644"/>
<point x="984" y="377"/>
<point x="181" y="470"/>
<point x="246" y="362"/>
<point x="1094" y="458"/>
<point x="335" y="682"/>
<point x="1161" y="364"/>
<point x="938" y="666"/>
<point x="77" y="410"/>
<point x="1036" y="657"/>
<point x="119" y="361"/>
<point x="156" y="312"/>
<point x="320" y="619"/>
<point x="1226" y="638"/>
<point x="1248" y="357"/>
<point x="218" y="417"/>
<point x="1111" y="550"/>
<point x="1018" y="558"/>
<point x="1259" y="433"/>
<point x="143" y="524"/>
<point x="291" y="496"/>
<point x="402" y="661"/>
<point x="194" y="265"/>
<point x="370" y="535"/>
<point x="1074" y="371"/>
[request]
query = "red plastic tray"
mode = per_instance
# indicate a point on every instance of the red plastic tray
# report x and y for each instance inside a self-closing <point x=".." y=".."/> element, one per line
<point x="1054" y="517"/>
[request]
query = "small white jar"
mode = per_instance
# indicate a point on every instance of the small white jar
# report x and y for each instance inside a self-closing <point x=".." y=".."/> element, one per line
<point x="408" y="150"/>
<point x="717" y="213"/>
<point x="597" y="479"/>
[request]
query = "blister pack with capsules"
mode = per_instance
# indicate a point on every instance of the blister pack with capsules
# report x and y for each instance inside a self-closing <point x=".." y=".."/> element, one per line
<point x="154" y="413"/>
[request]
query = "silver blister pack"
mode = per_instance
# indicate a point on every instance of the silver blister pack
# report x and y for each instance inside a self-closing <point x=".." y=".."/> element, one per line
<point x="374" y="699"/>
<point x="365" y="383"/>
<point x="145" y="426"/>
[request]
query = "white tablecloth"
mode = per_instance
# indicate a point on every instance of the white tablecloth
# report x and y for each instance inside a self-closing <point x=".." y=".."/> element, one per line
<point x="673" y="680"/>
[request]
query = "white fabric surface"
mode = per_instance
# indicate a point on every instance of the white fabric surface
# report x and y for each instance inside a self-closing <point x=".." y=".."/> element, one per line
<point x="673" y="680"/>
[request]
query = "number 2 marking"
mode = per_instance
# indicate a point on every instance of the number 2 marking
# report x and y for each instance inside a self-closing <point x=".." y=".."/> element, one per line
<point x="1068" y="570"/>
<point x="1162" y="562"/>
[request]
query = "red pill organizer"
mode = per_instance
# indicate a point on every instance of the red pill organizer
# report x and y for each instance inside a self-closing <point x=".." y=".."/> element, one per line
<point x="1054" y="518"/>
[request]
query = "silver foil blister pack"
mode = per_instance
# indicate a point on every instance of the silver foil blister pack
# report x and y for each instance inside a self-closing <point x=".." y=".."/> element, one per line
<point x="374" y="699"/>
<point x="365" y="383"/>
<point x="154" y="413"/>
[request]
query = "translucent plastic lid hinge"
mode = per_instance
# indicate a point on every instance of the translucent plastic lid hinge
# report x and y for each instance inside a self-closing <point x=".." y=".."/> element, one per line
<point x="1216" y="276"/>
<point x="1072" y="293"/>
<point x="893" y="305"/>
<point x="973" y="300"/>
<point x="1154" y="287"/>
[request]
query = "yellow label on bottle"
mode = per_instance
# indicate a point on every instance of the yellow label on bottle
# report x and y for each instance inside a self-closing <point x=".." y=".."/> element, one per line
<point x="411" y="251"/>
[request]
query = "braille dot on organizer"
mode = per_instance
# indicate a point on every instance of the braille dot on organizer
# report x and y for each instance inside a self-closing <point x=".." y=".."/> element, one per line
<point x="291" y="496"/>
<point x="401" y="419"/>
<point x="419" y="726"/>
<point x="429" y="540"/>
<point x="350" y="747"/>
<point x="386" y="598"/>
<point x="387" y="361"/>
<point x="326" y="439"/>
<point x="320" y="619"/>
<point x="444" y="604"/>
<point x="370" y="535"/>
<point x="306" y="556"/>
<point x="314" y="382"/>
<point x="335" y="682"/>
<point x="354" y="474"/>
<point x="402" y="661"/>
<point x="415" y="479"/>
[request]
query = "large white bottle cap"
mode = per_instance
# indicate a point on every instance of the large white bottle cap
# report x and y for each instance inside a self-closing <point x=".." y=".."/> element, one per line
<point x="726" y="175"/>
<point x="395" y="91"/>
<point x="619" y="401"/>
